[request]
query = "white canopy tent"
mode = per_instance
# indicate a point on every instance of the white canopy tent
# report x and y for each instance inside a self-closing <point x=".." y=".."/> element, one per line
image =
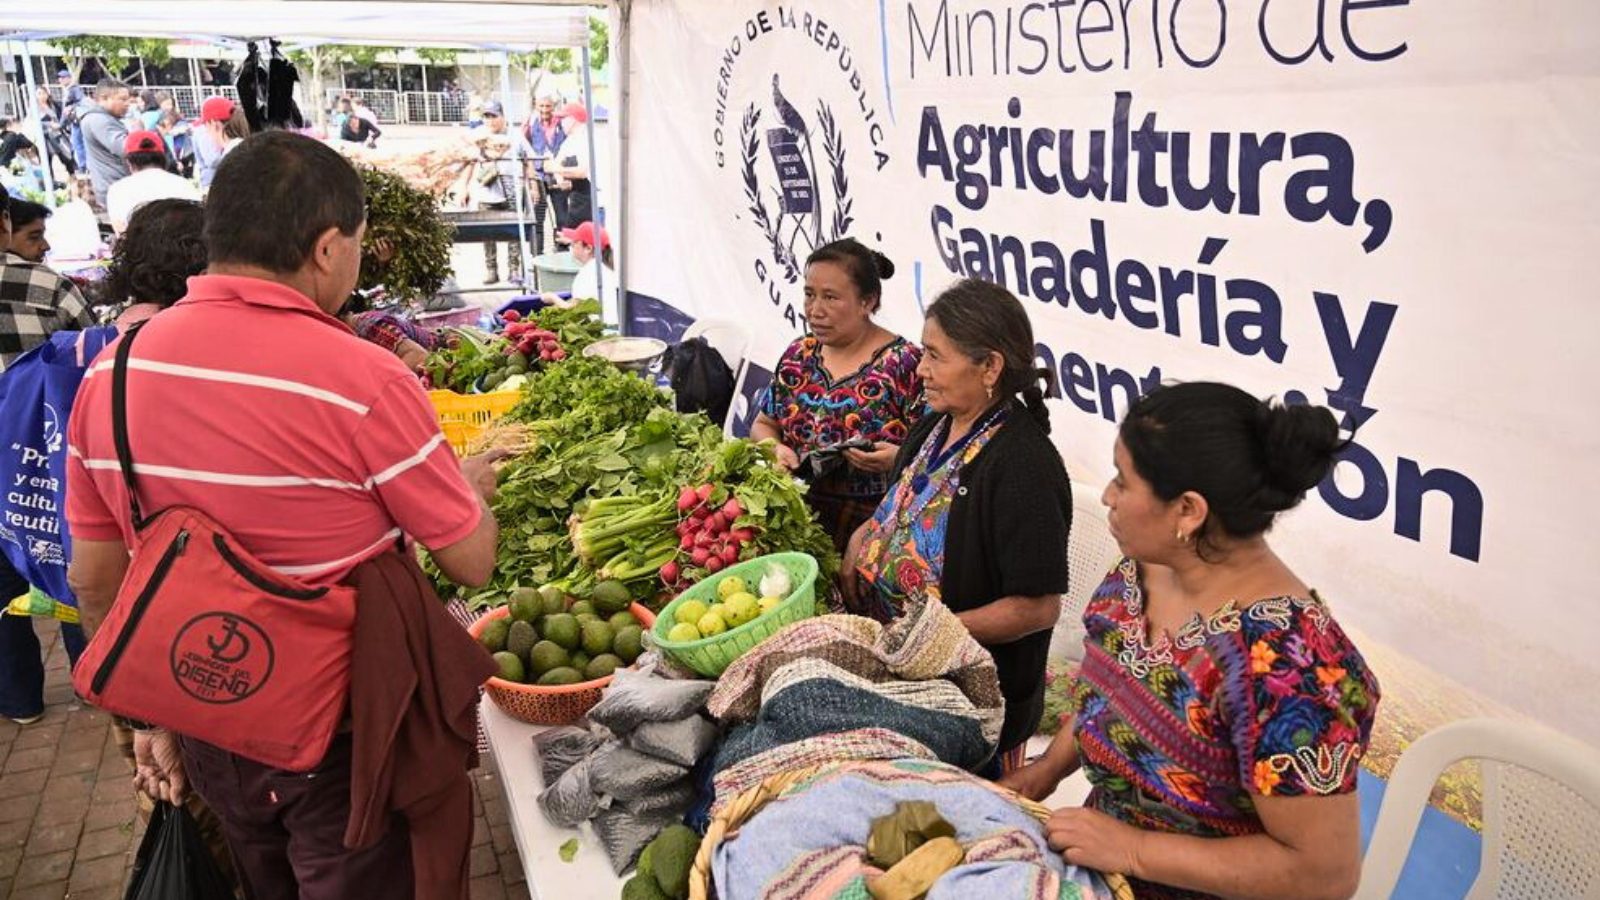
<point x="505" y="25"/>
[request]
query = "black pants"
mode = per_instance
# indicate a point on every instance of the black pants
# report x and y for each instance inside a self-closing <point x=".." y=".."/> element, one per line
<point x="286" y="829"/>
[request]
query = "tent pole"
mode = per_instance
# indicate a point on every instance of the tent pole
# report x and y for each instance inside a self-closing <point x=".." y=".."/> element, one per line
<point x="594" y="189"/>
<point x="623" y="37"/>
<point x="46" y="161"/>
<point x="517" y="179"/>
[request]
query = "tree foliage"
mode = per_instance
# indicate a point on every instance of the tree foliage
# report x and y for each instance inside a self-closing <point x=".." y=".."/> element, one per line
<point x="81" y="47"/>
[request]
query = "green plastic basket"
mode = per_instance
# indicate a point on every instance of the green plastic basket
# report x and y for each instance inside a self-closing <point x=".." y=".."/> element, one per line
<point x="713" y="655"/>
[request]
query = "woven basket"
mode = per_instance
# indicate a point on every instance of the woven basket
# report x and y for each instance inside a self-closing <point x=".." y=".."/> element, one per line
<point x="552" y="704"/>
<point x="713" y="655"/>
<point x="726" y="825"/>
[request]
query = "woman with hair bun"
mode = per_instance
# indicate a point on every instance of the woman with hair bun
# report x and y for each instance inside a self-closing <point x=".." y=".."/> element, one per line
<point x="1221" y="713"/>
<point x="849" y="379"/>
<point x="980" y="507"/>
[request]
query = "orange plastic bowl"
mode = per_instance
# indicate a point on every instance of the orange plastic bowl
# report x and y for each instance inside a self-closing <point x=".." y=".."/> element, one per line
<point x="553" y="704"/>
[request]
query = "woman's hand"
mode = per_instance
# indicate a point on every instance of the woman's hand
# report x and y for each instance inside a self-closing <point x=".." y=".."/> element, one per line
<point x="879" y="460"/>
<point x="1036" y="781"/>
<point x="1094" y="840"/>
<point x="158" y="766"/>
<point x="787" y="458"/>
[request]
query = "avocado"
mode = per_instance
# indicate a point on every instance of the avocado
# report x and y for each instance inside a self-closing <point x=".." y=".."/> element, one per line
<point x="520" y="638"/>
<point x="671" y="856"/>
<point x="510" y="666"/>
<point x="611" y="597"/>
<point x="562" y="675"/>
<point x="622" y="620"/>
<point x="546" y="656"/>
<point x="580" y="660"/>
<point x="554" y="599"/>
<point x="628" y="644"/>
<point x="493" y="636"/>
<point x="597" y="637"/>
<point x="583" y="607"/>
<point x="562" y="629"/>
<point x="601" y="666"/>
<point x="642" y="887"/>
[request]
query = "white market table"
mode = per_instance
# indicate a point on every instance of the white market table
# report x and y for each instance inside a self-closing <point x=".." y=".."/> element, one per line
<point x="538" y="842"/>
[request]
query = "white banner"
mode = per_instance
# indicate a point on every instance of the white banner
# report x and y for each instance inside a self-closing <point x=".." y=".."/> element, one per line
<point x="1383" y="206"/>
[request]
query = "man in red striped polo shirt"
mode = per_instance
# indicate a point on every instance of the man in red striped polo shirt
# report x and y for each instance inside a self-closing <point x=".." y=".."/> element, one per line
<point x="250" y="401"/>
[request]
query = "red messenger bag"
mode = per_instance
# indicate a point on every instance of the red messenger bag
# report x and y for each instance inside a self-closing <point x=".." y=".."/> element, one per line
<point x="207" y="641"/>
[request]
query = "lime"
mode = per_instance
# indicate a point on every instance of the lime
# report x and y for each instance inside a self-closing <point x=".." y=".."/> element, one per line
<point x="729" y="586"/>
<point x="742" y="608"/>
<point x="493" y="636"/>
<point x="563" y="629"/>
<point x="768" y="604"/>
<point x="546" y="656"/>
<point x="712" y="624"/>
<point x="510" y="666"/>
<point x="683" y="631"/>
<point x="597" y="637"/>
<point x="601" y="666"/>
<point x="629" y="643"/>
<point x="622" y="620"/>
<point x="562" y="675"/>
<point x="689" y="612"/>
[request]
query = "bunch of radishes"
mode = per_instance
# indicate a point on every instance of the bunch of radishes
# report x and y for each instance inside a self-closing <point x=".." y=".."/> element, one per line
<point x="530" y="340"/>
<point x="706" y="534"/>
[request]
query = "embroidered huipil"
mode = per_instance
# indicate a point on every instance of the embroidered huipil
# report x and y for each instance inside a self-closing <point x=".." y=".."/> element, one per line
<point x="1179" y="733"/>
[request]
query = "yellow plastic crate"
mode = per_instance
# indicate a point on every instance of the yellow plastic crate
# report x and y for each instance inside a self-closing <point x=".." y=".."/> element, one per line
<point x="463" y="417"/>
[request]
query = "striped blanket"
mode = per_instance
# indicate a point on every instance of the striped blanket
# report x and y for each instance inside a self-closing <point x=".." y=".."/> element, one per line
<point x="849" y="688"/>
<point x="809" y="841"/>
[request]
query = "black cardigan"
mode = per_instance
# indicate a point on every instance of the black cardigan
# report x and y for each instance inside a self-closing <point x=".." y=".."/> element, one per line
<point x="1007" y="537"/>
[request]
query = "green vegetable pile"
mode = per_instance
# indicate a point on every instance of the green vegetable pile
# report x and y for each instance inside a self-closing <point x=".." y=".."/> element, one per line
<point x="473" y="361"/>
<point x="664" y="866"/>
<point x="414" y="234"/>
<point x="591" y="494"/>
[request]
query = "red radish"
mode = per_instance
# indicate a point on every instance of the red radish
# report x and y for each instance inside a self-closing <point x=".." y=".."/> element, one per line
<point x="704" y="491"/>
<point x="701" y="513"/>
<point x="732" y="510"/>
<point x="687" y="499"/>
<point x="687" y="543"/>
<point x="714" y="564"/>
<point x="744" y="535"/>
<point x="511" y="315"/>
<point x="699" y="556"/>
<point x="730" y="555"/>
<point x="716" y="523"/>
<point x="669" y="573"/>
<point x="704" y="539"/>
<point x="558" y="355"/>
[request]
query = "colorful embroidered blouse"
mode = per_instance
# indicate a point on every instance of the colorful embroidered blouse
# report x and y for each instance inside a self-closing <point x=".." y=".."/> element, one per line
<point x="879" y="402"/>
<point x="902" y="551"/>
<point x="1178" y="735"/>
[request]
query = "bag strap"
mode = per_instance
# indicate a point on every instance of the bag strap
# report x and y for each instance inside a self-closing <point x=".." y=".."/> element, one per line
<point x="119" y="422"/>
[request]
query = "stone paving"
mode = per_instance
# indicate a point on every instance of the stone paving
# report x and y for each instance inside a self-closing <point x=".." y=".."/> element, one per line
<point x="69" y="823"/>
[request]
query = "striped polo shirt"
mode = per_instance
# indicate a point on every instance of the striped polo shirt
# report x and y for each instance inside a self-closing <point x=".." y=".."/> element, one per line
<point x="314" y="448"/>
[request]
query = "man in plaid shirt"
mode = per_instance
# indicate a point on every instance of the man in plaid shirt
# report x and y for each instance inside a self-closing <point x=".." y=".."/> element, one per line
<point x="34" y="301"/>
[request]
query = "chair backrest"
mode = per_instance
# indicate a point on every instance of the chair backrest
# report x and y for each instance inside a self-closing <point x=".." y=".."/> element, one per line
<point x="732" y="340"/>
<point x="1541" y="810"/>
<point x="1091" y="551"/>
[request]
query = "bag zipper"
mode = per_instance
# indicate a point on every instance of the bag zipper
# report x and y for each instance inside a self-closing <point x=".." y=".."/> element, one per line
<point x="140" y="603"/>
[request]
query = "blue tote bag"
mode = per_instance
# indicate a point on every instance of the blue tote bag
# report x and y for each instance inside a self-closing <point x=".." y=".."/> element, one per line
<point x="36" y="394"/>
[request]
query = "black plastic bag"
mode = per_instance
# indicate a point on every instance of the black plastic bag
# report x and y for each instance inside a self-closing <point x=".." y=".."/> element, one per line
<point x="282" y="111"/>
<point x="173" y="862"/>
<point x="254" y="88"/>
<point x="700" y="377"/>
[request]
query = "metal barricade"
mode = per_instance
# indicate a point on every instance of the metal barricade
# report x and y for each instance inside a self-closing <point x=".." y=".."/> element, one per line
<point x="435" y="107"/>
<point x="11" y="106"/>
<point x="384" y="104"/>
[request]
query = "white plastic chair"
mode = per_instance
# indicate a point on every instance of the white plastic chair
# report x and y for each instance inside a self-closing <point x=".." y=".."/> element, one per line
<point x="1541" y="811"/>
<point x="732" y="340"/>
<point x="1091" y="551"/>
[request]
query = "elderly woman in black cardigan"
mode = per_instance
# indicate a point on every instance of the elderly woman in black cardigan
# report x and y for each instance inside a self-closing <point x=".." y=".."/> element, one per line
<point x="980" y="505"/>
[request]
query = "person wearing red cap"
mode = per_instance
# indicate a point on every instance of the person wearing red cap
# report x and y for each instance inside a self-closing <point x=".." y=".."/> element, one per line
<point x="571" y="166"/>
<point x="148" y="179"/>
<point x="591" y="247"/>
<point x="222" y="127"/>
